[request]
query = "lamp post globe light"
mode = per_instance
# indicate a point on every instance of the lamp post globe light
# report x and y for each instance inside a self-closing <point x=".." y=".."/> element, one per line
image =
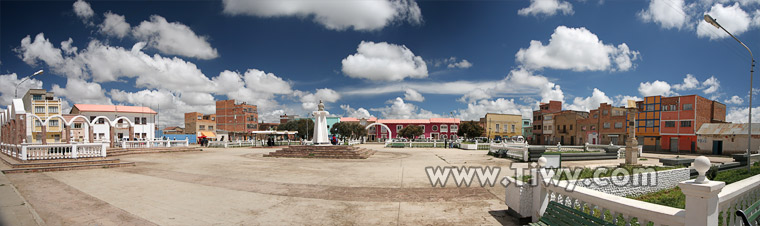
<point x="15" y="95"/>
<point x="715" y="23"/>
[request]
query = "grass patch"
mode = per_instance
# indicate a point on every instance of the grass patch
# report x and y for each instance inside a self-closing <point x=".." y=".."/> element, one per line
<point x="643" y="159"/>
<point x="560" y="152"/>
<point x="524" y="178"/>
<point x="675" y="198"/>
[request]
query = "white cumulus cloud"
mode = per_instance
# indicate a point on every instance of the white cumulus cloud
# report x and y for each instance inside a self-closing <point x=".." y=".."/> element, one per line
<point x="8" y="87"/>
<point x="413" y="95"/>
<point x="309" y="101"/>
<point x="478" y="109"/>
<point x="384" y="62"/>
<point x="577" y="49"/>
<point x="655" y="88"/>
<point x="401" y="110"/>
<point x="334" y="15"/>
<point x="734" y="100"/>
<point x="82" y="92"/>
<point x="114" y="25"/>
<point x="547" y="7"/>
<point x="174" y="38"/>
<point x="669" y="14"/>
<point x="355" y="113"/>
<point x="461" y="64"/>
<point x="733" y="18"/>
<point x="588" y="103"/>
<point x="83" y="10"/>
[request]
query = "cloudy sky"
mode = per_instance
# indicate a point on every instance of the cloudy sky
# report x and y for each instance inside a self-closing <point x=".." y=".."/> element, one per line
<point x="383" y="58"/>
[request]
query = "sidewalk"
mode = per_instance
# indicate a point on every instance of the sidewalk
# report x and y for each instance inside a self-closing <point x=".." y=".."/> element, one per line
<point x="14" y="210"/>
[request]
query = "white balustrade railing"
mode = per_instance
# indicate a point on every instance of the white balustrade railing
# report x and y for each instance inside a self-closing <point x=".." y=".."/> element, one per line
<point x="12" y="150"/>
<point x="155" y="143"/>
<point x="738" y="196"/>
<point x="615" y="208"/>
<point x="59" y="151"/>
<point x="707" y="202"/>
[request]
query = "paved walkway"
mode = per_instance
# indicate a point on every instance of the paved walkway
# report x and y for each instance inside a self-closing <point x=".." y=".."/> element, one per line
<point x="15" y="210"/>
<point x="240" y="187"/>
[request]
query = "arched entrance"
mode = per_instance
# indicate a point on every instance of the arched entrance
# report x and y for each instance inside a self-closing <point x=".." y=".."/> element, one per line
<point x="384" y="126"/>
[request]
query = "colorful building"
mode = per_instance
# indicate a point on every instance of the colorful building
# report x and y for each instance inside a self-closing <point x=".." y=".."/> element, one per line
<point x="44" y="105"/>
<point x="682" y="116"/>
<point x="566" y="123"/>
<point x="498" y="126"/>
<point x="434" y="128"/>
<point x="648" y="123"/>
<point x="538" y="121"/>
<point x="201" y="124"/>
<point x="527" y="129"/>
<point x="238" y="119"/>
<point x="371" y="132"/>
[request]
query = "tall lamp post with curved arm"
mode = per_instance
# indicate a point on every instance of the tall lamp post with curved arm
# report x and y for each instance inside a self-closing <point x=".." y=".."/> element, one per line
<point x="714" y="22"/>
<point x="15" y="95"/>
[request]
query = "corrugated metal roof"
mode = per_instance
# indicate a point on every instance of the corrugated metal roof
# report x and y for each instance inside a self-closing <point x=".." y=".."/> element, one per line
<point x="727" y="128"/>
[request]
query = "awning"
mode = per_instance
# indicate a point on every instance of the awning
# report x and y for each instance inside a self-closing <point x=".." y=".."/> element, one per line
<point x="208" y="134"/>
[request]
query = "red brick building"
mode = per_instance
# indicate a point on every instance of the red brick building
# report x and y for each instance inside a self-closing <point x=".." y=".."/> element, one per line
<point x="566" y="124"/>
<point x="538" y="117"/>
<point x="682" y="116"/>
<point x="238" y="119"/>
<point x="605" y="125"/>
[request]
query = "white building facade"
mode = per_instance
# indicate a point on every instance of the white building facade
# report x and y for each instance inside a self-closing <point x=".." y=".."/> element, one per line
<point x="129" y="122"/>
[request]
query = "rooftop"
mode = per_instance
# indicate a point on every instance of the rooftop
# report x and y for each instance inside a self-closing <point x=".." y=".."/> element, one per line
<point x="113" y="108"/>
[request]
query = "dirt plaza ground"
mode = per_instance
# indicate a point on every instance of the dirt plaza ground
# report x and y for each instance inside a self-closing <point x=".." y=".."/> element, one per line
<point x="239" y="186"/>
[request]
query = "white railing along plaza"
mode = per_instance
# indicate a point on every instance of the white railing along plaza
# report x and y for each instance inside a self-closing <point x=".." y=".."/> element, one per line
<point x="707" y="202"/>
<point x="26" y="152"/>
<point x="155" y="143"/>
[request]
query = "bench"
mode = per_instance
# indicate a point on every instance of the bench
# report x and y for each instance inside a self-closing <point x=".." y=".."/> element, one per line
<point x="558" y="214"/>
<point x="397" y="145"/>
<point x="750" y="214"/>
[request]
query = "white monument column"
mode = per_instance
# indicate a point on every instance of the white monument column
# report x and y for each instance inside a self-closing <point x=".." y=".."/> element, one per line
<point x="320" y="125"/>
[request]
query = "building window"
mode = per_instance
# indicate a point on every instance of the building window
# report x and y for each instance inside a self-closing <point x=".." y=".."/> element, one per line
<point x="593" y="128"/>
<point x="686" y="107"/>
<point x="435" y="128"/>
<point x="137" y="121"/>
<point x="200" y="117"/>
<point x="39" y="109"/>
<point x="664" y="107"/>
<point x="201" y="127"/>
<point x="596" y="116"/>
<point x="685" y="123"/>
<point x="670" y="124"/>
<point x="604" y="112"/>
<point x="251" y="126"/>
<point x="444" y="128"/>
<point x="77" y="125"/>
<point x="444" y="136"/>
<point x="583" y="128"/>
<point x="606" y="125"/>
<point x="101" y="121"/>
<point x="497" y="127"/>
<point x="618" y="125"/>
<point x="37" y="123"/>
<point x="571" y="127"/>
<point x="650" y="123"/>
<point x="144" y="120"/>
<point x="454" y="128"/>
<point x="36" y="97"/>
<point x="423" y="128"/>
<point x="53" y="123"/>
<point x="513" y="128"/>
<point x="650" y="107"/>
<point x="548" y="117"/>
<point x="53" y="110"/>
<point x="399" y="127"/>
<point x="673" y="107"/>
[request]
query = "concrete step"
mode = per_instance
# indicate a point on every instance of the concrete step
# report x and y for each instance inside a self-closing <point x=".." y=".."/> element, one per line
<point x="64" y="168"/>
<point x="71" y="162"/>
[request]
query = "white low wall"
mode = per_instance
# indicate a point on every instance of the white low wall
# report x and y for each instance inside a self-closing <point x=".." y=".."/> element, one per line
<point x="468" y="146"/>
<point x="660" y="180"/>
<point x="519" y="197"/>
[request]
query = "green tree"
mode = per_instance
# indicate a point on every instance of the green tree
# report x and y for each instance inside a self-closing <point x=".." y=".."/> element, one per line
<point x="348" y="130"/>
<point x="470" y="130"/>
<point x="299" y="125"/>
<point x="411" y="131"/>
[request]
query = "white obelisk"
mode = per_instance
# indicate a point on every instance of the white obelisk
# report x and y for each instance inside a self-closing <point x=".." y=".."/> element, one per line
<point x="320" y="125"/>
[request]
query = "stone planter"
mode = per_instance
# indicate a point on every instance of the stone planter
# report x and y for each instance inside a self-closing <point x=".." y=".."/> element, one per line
<point x="553" y="160"/>
<point x="519" y="198"/>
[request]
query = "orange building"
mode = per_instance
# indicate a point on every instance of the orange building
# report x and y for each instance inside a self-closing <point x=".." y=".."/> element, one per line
<point x="648" y="123"/>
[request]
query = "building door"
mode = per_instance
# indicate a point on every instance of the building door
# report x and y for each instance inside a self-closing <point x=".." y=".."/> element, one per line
<point x="717" y="148"/>
<point x="657" y="144"/>
<point x="572" y="140"/>
<point x="614" y="140"/>
<point x="674" y="144"/>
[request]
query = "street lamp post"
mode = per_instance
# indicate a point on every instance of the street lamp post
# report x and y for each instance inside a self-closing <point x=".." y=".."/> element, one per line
<point x="714" y="22"/>
<point x="15" y="95"/>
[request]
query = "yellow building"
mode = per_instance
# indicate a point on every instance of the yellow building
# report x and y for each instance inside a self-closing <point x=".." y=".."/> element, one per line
<point x="502" y="125"/>
<point x="44" y="105"/>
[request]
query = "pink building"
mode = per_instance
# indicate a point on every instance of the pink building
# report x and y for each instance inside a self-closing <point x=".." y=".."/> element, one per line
<point x="435" y="128"/>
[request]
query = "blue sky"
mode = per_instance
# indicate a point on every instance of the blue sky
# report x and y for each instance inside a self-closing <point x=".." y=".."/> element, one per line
<point x="384" y="58"/>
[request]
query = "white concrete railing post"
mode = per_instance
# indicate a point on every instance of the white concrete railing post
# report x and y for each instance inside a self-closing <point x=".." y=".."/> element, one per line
<point x="103" y="148"/>
<point x="187" y="142"/>
<point x="23" y="153"/>
<point x="540" y="196"/>
<point x="168" y="143"/>
<point x="74" y="153"/>
<point x="701" y="196"/>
